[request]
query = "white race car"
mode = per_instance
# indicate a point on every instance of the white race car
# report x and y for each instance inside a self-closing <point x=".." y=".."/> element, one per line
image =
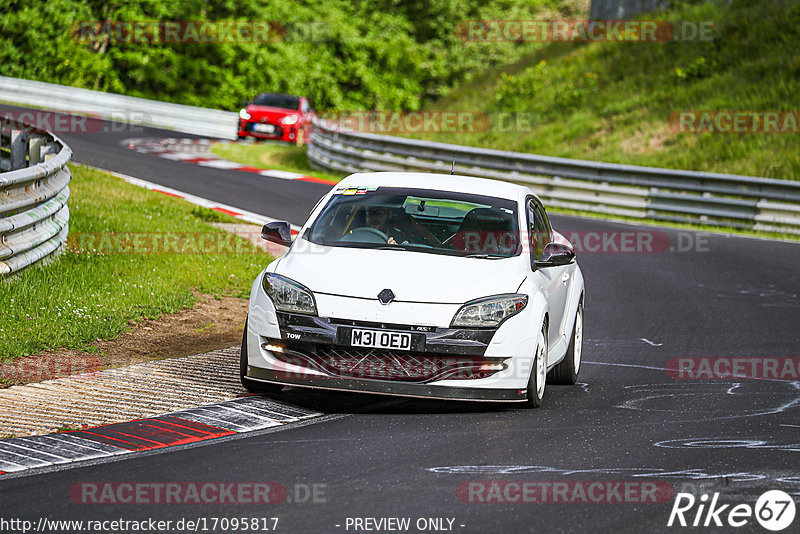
<point x="419" y="285"/>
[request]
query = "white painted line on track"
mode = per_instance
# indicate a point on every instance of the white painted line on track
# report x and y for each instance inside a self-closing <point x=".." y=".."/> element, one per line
<point x="233" y="211"/>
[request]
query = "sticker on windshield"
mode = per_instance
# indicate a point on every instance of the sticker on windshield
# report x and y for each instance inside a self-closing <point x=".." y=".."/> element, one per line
<point x="355" y="190"/>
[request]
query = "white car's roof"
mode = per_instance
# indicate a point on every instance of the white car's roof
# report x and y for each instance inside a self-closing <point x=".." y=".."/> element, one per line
<point x="440" y="182"/>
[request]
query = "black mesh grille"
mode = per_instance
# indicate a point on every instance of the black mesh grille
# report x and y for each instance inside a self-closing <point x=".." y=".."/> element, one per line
<point x="383" y="364"/>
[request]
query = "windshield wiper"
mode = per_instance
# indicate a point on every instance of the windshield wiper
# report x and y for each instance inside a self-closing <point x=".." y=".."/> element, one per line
<point x="393" y="247"/>
<point x="485" y="256"/>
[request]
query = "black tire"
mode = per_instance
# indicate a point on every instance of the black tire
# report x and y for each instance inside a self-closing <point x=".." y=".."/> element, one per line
<point x="251" y="385"/>
<point x="535" y="397"/>
<point x="566" y="372"/>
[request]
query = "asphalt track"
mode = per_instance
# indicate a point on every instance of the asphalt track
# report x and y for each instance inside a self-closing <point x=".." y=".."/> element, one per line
<point x="629" y="420"/>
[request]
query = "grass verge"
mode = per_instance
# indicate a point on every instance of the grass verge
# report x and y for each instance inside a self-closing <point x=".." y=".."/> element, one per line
<point x="133" y="254"/>
<point x="612" y="101"/>
<point x="278" y="156"/>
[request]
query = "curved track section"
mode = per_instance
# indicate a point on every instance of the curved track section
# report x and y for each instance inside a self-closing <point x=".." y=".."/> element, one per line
<point x="103" y="147"/>
<point x="634" y="419"/>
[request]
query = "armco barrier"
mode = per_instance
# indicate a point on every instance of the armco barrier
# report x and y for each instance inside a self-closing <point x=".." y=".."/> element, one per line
<point x="714" y="199"/>
<point x="34" y="189"/>
<point x="110" y="106"/>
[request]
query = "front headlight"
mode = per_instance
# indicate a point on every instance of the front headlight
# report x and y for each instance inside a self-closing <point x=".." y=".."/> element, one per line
<point x="489" y="311"/>
<point x="287" y="295"/>
<point x="244" y="114"/>
<point x="289" y="120"/>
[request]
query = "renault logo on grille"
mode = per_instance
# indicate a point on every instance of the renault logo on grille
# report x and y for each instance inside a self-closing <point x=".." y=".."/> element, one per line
<point x="386" y="296"/>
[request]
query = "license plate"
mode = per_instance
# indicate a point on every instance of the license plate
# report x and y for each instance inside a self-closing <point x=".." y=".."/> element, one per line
<point x="263" y="128"/>
<point x="380" y="340"/>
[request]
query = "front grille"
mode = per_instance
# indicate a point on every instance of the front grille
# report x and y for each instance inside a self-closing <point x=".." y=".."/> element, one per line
<point x="383" y="364"/>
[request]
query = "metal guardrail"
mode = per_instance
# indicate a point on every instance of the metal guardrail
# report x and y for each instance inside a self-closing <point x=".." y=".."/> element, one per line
<point x="110" y="106"/>
<point x="34" y="189"/>
<point x="714" y="199"/>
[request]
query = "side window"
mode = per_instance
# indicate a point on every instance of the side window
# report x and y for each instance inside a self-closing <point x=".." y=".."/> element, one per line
<point x="545" y="221"/>
<point x="538" y="229"/>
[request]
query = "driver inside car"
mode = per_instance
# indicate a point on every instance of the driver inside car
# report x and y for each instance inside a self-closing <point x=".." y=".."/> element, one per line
<point x="377" y="217"/>
<point x="399" y="226"/>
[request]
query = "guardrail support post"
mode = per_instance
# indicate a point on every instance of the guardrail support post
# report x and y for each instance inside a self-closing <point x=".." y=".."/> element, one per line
<point x="17" y="149"/>
<point x="35" y="151"/>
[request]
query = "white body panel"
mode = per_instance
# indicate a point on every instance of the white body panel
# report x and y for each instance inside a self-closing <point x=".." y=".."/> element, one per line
<point x="429" y="288"/>
<point x="413" y="276"/>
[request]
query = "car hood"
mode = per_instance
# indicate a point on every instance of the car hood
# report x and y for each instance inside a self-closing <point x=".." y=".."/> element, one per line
<point x="270" y="112"/>
<point x="412" y="276"/>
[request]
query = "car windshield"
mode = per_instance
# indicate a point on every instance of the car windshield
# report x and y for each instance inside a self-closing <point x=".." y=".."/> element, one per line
<point x="277" y="100"/>
<point x="420" y="220"/>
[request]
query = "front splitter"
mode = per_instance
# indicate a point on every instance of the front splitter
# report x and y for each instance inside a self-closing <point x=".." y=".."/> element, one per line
<point x="385" y="387"/>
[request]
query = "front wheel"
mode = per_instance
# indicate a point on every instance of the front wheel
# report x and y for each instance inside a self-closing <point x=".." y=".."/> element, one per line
<point x="566" y="372"/>
<point x="536" y="382"/>
<point x="251" y="385"/>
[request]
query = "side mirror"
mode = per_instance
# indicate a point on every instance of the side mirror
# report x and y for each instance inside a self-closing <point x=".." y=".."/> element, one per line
<point x="277" y="232"/>
<point x="556" y="254"/>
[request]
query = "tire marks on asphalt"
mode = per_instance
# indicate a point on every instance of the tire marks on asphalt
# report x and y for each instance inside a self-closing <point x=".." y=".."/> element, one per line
<point x="197" y="151"/>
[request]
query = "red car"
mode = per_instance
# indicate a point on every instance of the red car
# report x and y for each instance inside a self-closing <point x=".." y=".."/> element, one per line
<point x="277" y="116"/>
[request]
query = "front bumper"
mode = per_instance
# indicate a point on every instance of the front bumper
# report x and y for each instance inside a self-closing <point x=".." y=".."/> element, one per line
<point x="288" y="134"/>
<point x="292" y="335"/>
<point x="246" y="128"/>
<point x="443" y="363"/>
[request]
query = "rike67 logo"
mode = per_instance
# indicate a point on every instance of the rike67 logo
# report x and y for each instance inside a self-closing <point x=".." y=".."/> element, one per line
<point x="774" y="510"/>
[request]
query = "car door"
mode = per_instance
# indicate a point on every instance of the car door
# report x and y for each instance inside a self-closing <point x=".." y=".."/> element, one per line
<point x="554" y="280"/>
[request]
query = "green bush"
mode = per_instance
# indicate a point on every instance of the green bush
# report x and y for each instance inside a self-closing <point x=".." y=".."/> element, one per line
<point x="344" y="54"/>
